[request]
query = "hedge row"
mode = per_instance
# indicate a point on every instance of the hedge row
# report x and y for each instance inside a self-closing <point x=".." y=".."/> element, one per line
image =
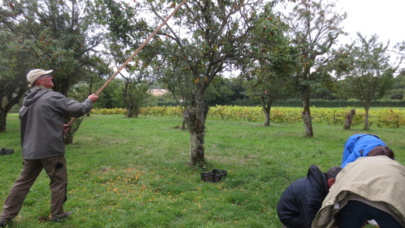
<point x="339" y="103"/>
<point x="382" y="117"/>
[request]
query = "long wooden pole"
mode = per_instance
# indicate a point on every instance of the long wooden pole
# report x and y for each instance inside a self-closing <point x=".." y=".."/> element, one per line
<point x="133" y="55"/>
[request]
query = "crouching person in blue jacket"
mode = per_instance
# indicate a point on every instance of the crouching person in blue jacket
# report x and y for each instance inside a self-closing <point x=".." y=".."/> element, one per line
<point x="360" y="145"/>
<point x="302" y="199"/>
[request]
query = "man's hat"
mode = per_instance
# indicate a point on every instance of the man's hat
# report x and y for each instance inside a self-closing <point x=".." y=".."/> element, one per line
<point x="33" y="75"/>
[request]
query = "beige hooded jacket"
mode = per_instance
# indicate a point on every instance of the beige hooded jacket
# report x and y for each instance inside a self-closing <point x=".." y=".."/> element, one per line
<point x="378" y="179"/>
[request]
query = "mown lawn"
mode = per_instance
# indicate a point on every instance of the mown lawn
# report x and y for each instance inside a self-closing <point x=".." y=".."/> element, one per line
<point x="134" y="172"/>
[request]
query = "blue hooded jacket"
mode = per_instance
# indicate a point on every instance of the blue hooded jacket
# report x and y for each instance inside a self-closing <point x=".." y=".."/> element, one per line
<point x="359" y="145"/>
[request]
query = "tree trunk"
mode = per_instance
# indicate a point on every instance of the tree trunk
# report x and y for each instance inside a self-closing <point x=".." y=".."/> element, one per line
<point x="349" y="119"/>
<point x="68" y="137"/>
<point x="306" y="113"/>
<point x="366" y="123"/>
<point x="183" y="125"/>
<point x="3" y="120"/>
<point x="267" y="116"/>
<point x="266" y="106"/>
<point x="136" y="111"/>
<point x="130" y="114"/>
<point x="195" y="120"/>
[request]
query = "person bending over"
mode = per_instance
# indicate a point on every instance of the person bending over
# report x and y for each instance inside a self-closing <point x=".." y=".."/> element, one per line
<point x="302" y="199"/>
<point x="371" y="188"/>
<point x="359" y="145"/>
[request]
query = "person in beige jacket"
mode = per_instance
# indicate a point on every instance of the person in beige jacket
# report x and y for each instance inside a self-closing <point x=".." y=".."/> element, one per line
<point x="369" y="188"/>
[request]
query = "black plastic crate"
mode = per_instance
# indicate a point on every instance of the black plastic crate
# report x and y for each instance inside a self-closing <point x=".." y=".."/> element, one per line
<point x="214" y="176"/>
<point x="6" y="151"/>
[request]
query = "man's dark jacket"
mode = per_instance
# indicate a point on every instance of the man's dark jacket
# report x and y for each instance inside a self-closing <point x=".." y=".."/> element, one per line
<point x="42" y="116"/>
<point x="301" y="200"/>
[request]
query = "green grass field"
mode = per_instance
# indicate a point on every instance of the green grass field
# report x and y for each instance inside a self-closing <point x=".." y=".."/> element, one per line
<point x="134" y="172"/>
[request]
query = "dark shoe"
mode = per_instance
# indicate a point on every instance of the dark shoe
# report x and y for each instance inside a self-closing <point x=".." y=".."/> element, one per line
<point x="6" y="151"/>
<point x="54" y="218"/>
<point x="4" y="222"/>
<point x="60" y="218"/>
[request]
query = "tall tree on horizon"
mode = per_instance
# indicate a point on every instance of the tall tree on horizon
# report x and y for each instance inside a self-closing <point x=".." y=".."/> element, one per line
<point x="371" y="75"/>
<point x="211" y="37"/>
<point x="202" y="41"/>
<point x="270" y="62"/>
<point x="314" y="29"/>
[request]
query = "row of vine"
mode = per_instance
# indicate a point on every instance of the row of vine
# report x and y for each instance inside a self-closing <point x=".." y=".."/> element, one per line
<point x="382" y="117"/>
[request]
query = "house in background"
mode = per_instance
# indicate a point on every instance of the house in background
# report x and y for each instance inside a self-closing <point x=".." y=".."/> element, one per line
<point x="158" y="92"/>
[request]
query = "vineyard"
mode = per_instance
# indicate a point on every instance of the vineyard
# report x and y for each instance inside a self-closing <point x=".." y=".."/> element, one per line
<point x="381" y="117"/>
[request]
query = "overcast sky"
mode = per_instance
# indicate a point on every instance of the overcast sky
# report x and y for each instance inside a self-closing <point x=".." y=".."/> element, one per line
<point x="385" y="18"/>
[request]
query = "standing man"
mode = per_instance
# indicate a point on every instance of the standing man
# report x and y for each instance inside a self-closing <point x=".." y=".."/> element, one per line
<point x="301" y="200"/>
<point x="42" y="119"/>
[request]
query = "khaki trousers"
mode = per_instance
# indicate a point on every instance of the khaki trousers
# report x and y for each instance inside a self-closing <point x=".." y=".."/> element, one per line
<point x="55" y="168"/>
